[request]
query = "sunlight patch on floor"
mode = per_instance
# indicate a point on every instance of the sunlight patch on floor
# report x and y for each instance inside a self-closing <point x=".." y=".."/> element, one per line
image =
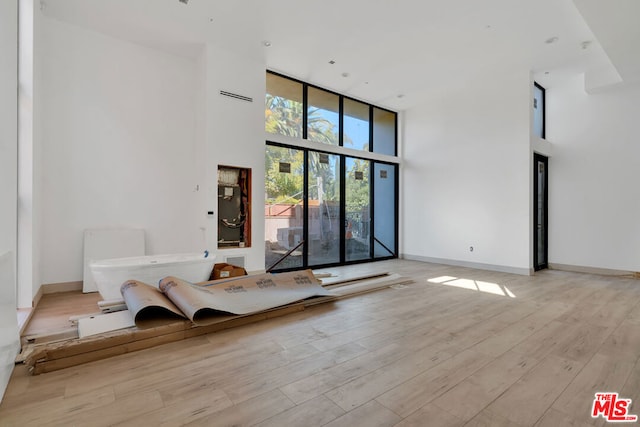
<point x="474" y="285"/>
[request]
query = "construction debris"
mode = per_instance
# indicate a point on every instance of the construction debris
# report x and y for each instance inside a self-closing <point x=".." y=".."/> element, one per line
<point x="67" y="349"/>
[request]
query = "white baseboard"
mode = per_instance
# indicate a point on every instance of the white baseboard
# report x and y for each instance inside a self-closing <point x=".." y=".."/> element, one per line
<point x="477" y="265"/>
<point x="52" y="288"/>
<point x="592" y="270"/>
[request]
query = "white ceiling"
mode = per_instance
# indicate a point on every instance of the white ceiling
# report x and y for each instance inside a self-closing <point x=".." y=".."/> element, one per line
<point x="388" y="48"/>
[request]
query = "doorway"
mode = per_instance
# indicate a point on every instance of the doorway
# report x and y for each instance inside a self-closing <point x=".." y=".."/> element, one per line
<point x="540" y="211"/>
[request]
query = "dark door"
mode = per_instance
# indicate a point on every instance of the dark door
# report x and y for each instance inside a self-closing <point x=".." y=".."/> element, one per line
<point x="540" y="211"/>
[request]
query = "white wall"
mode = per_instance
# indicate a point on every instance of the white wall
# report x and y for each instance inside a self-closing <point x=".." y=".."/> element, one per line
<point x="465" y="176"/>
<point x="9" y="344"/>
<point x="9" y="336"/>
<point x="29" y="154"/>
<point x="8" y="125"/>
<point x="235" y="137"/>
<point x="594" y="202"/>
<point x="133" y="137"/>
<point x="119" y="145"/>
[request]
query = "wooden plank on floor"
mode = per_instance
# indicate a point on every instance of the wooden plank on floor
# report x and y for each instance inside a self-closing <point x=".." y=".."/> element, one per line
<point x="344" y="278"/>
<point x="50" y="365"/>
<point x="243" y="320"/>
<point x="61" y="335"/>
<point x="64" y="355"/>
<point x="94" y="343"/>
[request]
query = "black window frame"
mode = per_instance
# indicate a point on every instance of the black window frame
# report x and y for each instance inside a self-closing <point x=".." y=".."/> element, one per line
<point x="343" y="157"/>
<point x="544" y="108"/>
<point x="342" y="260"/>
<point x="305" y="106"/>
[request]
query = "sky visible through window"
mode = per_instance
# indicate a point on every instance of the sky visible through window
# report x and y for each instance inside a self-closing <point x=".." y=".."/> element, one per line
<point x="356" y="131"/>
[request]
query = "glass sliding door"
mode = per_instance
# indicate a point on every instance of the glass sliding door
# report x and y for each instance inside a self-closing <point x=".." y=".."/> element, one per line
<point x="357" y="209"/>
<point x="284" y="206"/>
<point x="385" y="210"/>
<point x="324" y="209"/>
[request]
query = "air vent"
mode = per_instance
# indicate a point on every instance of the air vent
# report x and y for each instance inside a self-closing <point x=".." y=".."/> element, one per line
<point x="236" y="96"/>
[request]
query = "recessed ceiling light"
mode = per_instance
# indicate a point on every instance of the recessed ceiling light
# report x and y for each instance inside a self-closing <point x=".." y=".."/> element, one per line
<point x="266" y="43"/>
<point x="332" y="62"/>
<point x="551" y="40"/>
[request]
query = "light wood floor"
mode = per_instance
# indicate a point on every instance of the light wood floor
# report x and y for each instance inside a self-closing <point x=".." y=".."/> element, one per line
<point x="495" y="349"/>
<point x="54" y="310"/>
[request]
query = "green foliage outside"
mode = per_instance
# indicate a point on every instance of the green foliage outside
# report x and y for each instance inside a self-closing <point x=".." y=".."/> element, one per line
<point x="357" y="190"/>
<point x="284" y="116"/>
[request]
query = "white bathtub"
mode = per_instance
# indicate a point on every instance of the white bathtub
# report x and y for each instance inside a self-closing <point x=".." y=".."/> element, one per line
<point x="109" y="274"/>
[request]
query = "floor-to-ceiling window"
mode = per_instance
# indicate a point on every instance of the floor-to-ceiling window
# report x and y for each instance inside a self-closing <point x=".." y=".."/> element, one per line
<point x="328" y="206"/>
<point x="357" y="209"/>
<point x="385" y="204"/>
<point x="323" y="211"/>
<point x="284" y="205"/>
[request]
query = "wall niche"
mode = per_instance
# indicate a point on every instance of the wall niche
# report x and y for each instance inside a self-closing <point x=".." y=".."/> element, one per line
<point x="234" y="207"/>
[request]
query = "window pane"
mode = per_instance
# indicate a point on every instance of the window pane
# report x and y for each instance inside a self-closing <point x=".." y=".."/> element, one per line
<point x="324" y="208"/>
<point x="356" y="125"/>
<point x="284" y="208"/>
<point x="384" y="197"/>
<point x="538" y="111"/>
<point x="322" y="116"/>
<point x="357" y="210"/>
<point x="283" y="106"/>
<point x="384" y="132"/>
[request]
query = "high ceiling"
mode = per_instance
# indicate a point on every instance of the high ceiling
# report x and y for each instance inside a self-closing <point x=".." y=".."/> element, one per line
<point x="393" y="53"/>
